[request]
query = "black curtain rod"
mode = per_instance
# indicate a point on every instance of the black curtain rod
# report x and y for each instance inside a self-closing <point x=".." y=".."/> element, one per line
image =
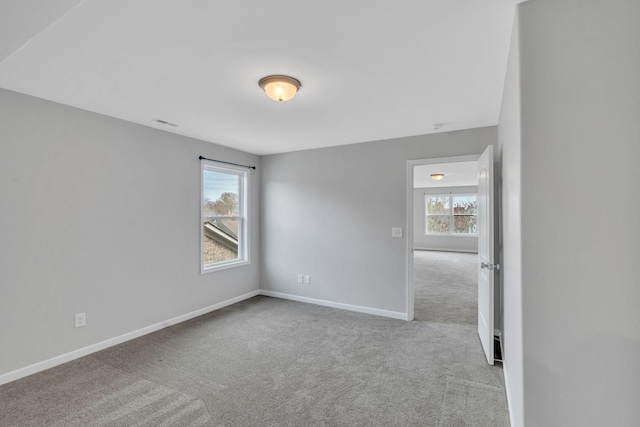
<point x="228" y="163"/>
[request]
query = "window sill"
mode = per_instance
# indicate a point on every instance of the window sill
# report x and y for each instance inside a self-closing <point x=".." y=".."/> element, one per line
<point x="449" y="235"/>
<point x="223" y="266"/>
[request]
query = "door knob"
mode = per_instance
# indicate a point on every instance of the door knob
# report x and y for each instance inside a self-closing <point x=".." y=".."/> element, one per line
<point x="489" y="266"/>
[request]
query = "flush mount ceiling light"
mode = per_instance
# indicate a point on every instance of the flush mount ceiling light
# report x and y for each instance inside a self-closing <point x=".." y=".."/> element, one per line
<point x="280" y="88"/>
<point x="437" y="176"/>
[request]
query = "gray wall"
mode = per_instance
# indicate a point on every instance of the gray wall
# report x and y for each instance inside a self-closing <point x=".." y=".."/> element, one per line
<point x="329" y="213"/>
<point x="580" y="151"/>
<point x="421" y="240"/>
<point x="510" y="236"/>
<point x="100" y="216"/>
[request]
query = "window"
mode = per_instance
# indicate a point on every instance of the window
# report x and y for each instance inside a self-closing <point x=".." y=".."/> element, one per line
<point x="451" y="214"/>
<point x="224" y="217"/>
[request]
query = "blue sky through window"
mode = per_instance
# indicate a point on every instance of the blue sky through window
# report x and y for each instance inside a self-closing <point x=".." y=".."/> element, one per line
<point x="216" y="183"/>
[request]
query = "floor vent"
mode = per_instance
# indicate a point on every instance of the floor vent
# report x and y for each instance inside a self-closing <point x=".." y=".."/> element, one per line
<point x="497" y="349"/>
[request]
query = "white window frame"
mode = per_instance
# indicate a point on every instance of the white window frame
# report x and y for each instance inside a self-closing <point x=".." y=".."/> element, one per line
<point x="243" y="223"/>
<point x="451" y="215"/>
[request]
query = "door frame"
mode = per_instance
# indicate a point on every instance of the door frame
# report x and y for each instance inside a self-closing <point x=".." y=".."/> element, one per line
<point x="410" y="300"/>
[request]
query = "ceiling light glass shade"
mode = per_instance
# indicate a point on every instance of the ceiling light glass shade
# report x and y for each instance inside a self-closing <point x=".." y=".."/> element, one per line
<point x="437" y="176"/>
<point x="280" y="88"/>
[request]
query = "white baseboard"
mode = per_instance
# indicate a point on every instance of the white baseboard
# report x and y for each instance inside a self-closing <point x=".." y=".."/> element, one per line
<point x="466" y="251"/>
<point x="357" y="308"/>
<point x="75" y="354"/>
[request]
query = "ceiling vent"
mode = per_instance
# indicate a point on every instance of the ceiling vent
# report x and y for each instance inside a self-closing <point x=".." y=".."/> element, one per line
<point x="164" y="122"/>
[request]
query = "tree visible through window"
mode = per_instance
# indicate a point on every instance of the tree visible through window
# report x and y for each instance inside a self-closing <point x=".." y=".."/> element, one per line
<point x="451" y="214"/>
<point x="223" y="216"/>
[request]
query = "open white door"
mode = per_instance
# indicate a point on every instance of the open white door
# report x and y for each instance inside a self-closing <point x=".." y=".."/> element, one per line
<point x="486" y="266"/>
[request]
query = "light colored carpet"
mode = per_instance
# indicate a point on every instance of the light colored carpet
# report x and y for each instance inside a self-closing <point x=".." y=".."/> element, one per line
<point x="141" y="403"/>
<point x="470" y="404"/>
<point x="270" y="362"/>
<point x="446" y="287"/>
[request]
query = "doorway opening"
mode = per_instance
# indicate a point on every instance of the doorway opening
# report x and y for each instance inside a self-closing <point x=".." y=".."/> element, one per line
<point x="449" y="216"/>
<point x="431" y="228"/>
<point x="445" y="241"/>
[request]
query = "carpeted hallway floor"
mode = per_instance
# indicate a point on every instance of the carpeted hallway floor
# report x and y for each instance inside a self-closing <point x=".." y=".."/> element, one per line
<point x="270" y="362"/>
<point x="446" y="287"/>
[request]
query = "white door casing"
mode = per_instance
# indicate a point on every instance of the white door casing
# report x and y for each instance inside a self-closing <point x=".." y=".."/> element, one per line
<point x="486" y="266"/>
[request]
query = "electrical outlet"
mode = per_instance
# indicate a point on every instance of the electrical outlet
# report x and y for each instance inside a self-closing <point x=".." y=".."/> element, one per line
<point x="307" y="279"/>
<point x="81" y="320"/>
<point x="299" y="278"/>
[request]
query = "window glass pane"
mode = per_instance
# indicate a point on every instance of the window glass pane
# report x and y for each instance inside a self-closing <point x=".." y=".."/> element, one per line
<point x="465" y="224"/>
<point x="438" y="224"/>
<point x="438" y="205"/>
<point x="221" y="192"/>
<point x="220" y="240"/>
<point x="465" y="205"/>
<point x="223" y="203"/>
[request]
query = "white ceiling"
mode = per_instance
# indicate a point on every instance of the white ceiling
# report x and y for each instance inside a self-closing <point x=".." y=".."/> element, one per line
<point x="370" y="70"/>
<point x="455" y="175"/>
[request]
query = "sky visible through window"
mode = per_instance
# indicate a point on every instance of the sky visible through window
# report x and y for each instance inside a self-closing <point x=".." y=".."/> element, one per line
<point x="216" y="183"/>
<point x="464" y="201"/>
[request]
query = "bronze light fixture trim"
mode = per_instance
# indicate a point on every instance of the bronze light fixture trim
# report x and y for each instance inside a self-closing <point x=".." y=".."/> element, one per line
<point x="280" y="88"/>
